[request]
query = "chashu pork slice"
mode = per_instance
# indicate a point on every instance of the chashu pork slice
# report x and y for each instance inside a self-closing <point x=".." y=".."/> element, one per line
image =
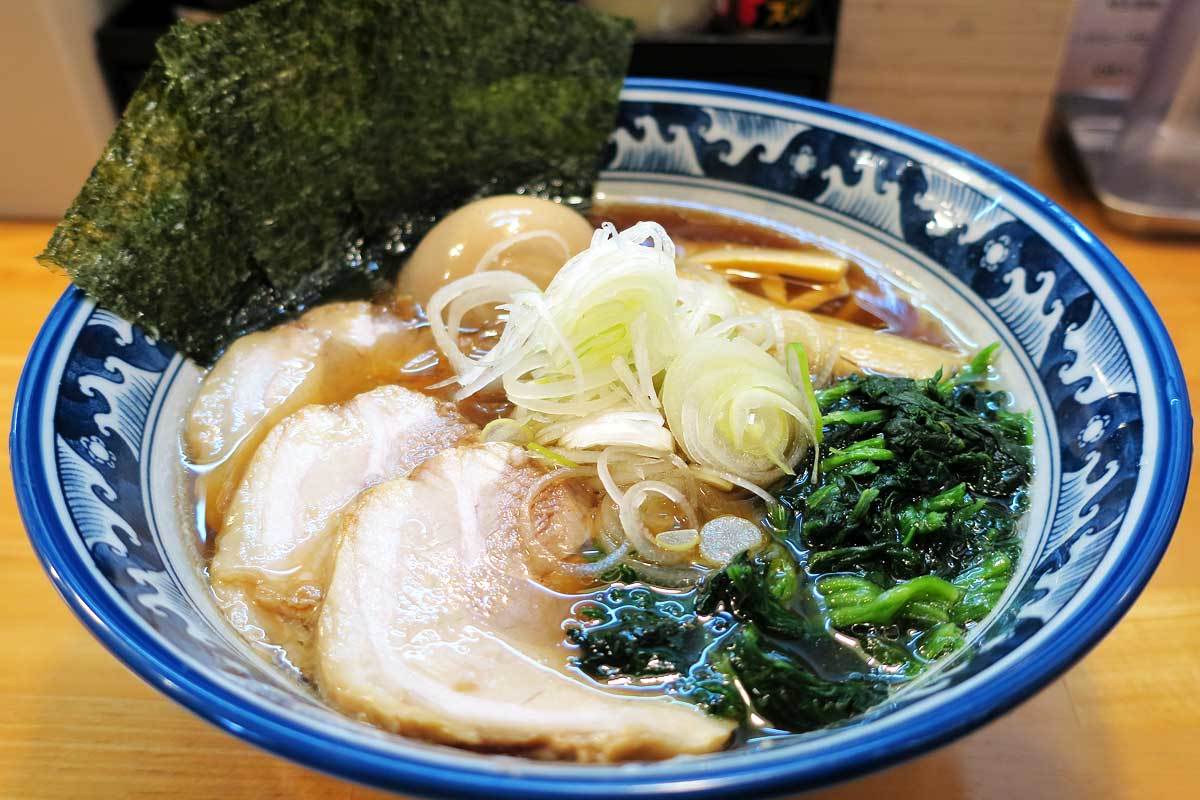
<point x="435" y="624"/>
<point x="272" y="555"/>
<point x="328" y="355"/>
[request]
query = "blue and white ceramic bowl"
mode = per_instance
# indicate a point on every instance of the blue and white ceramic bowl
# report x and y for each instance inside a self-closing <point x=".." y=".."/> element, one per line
<point x="95" y="447"/>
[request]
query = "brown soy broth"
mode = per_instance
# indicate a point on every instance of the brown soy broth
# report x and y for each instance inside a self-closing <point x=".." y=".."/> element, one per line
<point x="430" y="368"/>
<point x="696" y="225"/>
<point x="872" y="301"/>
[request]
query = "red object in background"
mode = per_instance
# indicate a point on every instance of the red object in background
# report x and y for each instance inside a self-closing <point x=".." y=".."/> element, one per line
<point x="772" y="14"/>
<point x="747" y="12"/>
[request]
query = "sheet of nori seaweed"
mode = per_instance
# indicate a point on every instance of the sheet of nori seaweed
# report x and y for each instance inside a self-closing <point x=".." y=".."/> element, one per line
<point x="281" y="153"/>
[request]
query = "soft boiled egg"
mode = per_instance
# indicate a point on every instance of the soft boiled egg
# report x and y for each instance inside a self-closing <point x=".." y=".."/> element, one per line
<point x="527" y="235"/>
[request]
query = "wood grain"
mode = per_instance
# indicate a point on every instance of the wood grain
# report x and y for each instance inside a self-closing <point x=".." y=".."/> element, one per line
<point x="1121" y="724"/>
<point x="975" y="72"/>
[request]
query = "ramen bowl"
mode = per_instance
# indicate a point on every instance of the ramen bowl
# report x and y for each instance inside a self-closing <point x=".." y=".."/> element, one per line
<point x="95" y="448"/>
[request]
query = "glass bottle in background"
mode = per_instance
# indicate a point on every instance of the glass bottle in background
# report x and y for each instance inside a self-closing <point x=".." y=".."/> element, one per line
<point x="1129" y="103"/>
<point x="1153" y="176"/>
<point x="1106" y="48"/>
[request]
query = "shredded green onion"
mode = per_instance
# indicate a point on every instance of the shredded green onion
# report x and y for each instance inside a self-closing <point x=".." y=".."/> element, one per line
<point x="796" y="351"/>
<point x="733" y="408"/>
<point x="618" y="351"/>
<point x="541" y="451"/>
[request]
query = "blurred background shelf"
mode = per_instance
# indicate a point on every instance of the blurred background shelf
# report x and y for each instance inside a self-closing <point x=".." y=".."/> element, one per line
<point x="781" y="61"/>
<point x="797" y="59"/>
<point x="978" y="73"/>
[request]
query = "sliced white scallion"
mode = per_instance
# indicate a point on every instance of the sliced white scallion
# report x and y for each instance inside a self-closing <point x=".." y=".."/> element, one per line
<point x="721" y="539"/>
<point x="475" y="291"/>
<point x="798" y="369"/>
<point x="635" y="529"/>
<point x="703" y="304"/>
<point x="606" y="479"/>
<point x="506" y="430"/>
<point x="614" y="302"/>
<point x="546" y="454"/>
<point x="618" y="428"/>
<point x="712" y="478"/>
<point x="752" y="488"/>
<point x="678" y="541"/>
<point x="732" y="408"/>
<point x="493" y="253"/>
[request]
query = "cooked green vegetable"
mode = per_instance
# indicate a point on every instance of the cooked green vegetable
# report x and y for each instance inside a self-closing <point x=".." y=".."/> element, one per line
<point x="907" y="536"/>
<point x="911" y="527"/>
<point x="797" y="358"/>
<point x="789" y="695"/>
<point x="939" y="641"/>
<point x="755" y="589"/>
<point x="297" y="147"/>
<point x="636" y="633"/>
<point x="881" y="607"/>
<point x="982" y="584"/>
<point x="921" y="476"/>
<point x="639" y="636"/>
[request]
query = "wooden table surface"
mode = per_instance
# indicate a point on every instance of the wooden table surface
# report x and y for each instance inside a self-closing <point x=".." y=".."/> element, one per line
<point x="1123" y="723"/>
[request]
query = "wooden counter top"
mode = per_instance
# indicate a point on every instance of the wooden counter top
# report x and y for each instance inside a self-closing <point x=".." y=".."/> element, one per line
<point x="74" y="723"/>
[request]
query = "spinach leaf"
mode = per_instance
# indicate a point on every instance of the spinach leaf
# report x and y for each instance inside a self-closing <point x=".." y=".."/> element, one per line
<point x="643" y="637"/>
<point x="919" y="476"/>
<point x="636" y="633"/>
<point x="907" y="536"/>
<point x="788" y="694"/>
<point x="755" y="589"/>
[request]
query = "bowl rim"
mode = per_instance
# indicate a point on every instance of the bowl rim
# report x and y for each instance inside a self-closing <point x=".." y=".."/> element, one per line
<point x="157" y="666"/>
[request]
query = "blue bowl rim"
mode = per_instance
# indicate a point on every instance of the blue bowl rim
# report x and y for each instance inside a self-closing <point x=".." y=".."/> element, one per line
<point x="155" y="664"/>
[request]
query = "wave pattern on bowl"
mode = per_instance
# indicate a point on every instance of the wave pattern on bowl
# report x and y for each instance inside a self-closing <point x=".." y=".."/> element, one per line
<point x="106" y="382"/>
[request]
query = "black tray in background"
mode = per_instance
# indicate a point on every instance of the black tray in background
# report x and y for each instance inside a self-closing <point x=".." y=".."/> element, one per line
<point x="787" y="62"/>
